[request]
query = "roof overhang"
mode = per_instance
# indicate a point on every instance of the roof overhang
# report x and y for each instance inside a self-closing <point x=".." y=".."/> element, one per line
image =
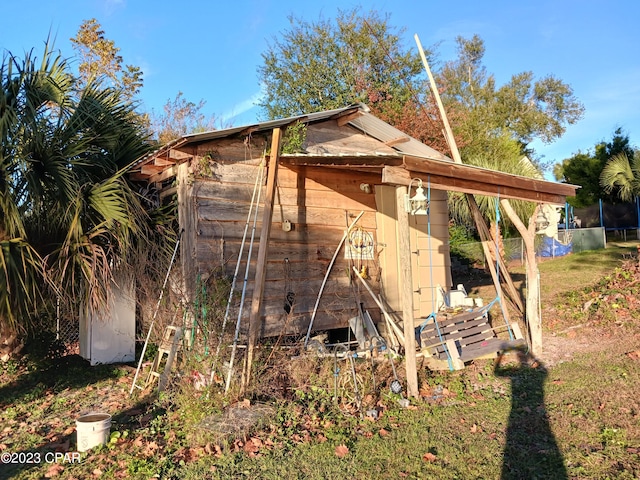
<point x="442" y="175"/>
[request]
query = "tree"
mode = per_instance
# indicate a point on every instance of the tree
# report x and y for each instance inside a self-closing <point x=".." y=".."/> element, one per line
<point x="181" y="117"/>
<point x="621" y="176"/>
<point x="358" y="57"/>
<point x="69" y="218"/>
<point x="318" y="66"/>
<point x="522" y="109"/>
<point x="101" y="62"/>
<point x="586" y="169"/>
<point x="100" y="59"/>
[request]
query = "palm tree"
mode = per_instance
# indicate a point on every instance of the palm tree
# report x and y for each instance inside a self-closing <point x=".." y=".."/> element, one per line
<point x="69" y="218"/>
<point x="622" y="174"/>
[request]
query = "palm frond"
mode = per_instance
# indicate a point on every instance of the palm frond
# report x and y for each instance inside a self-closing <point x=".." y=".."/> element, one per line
<point x="622" y="175"/>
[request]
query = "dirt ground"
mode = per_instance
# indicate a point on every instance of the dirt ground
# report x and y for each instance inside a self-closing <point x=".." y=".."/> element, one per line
<point x="565" y="345"/>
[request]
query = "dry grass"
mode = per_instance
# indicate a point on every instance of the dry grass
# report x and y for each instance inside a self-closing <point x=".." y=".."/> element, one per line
<point x="577" y="418"/>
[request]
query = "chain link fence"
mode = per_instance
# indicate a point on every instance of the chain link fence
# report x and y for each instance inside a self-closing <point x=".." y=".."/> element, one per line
<point x="67" y="327"/>
<point x="581" y="239"/>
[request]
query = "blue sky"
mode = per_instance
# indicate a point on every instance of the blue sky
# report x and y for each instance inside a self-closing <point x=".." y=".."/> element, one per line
<point x="211" y="50"/>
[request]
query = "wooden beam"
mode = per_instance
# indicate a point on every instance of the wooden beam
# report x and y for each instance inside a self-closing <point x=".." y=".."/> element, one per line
<point x="178" y="155"/>
<point x="396" y="141"/>
<point x="261" y="270"/>
<point x="485" y="176"/>
<point x="163" y="162"/>
<point x="396" y="176"/>
<point x="168" y="191"/>
<point x="150" y="169"/>
<point x="346" y="160"/>
<point x="187" y="222"/>
<point x="164" y="175"/>
<point x="465" y="181"/>
<point x="406" y="287"/>
<point x="342" y="121"/>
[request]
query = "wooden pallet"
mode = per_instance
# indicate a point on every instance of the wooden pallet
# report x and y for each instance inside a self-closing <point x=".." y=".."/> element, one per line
<point x="461" y="337"/>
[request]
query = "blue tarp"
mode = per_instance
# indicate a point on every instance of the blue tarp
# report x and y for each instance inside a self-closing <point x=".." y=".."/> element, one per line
<point x="553" y="248"/>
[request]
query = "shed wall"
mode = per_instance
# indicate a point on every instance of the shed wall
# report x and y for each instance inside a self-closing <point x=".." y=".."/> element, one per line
<point x="319" y="204"/>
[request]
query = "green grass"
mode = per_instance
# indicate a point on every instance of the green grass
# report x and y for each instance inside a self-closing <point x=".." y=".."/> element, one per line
<point x="577" y="419"/>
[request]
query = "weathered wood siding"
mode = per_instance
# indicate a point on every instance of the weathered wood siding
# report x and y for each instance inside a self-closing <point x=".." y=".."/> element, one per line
<point x="319" y="204"/>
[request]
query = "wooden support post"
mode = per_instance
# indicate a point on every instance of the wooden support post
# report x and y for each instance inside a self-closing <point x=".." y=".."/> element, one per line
<point x="261" y="266"/>
<point x="187" y="222"/>
<point x="406" y="293"/>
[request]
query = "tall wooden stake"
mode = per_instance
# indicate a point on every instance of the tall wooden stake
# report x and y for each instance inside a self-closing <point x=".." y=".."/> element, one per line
<point x="406" y="289"/>
<point x="261" y="270"/>
<point x="473" y="206"/>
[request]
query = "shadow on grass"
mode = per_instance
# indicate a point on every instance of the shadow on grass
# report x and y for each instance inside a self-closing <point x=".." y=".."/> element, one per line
<point x="531" y="451"/>
<point x="70" y="372"/>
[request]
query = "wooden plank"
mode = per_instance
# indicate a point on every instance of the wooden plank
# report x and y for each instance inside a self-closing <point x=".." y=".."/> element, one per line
<point x="345" y="119"/>
<point x="300" y="233"/>
<point x="392" y="175"/>
<point x="343" y="181"/>
<point x="150" y="169"/>
<point x="234" y="149"/>
<point x="482" y="176"/>
<point x="388" y="257"/>
<point x="263" y="251"/>
<point x="166" y="161"/>
<point x="452" y="328"/>
<point x="466" y="179"/>
<point x="234" y="192"/>
<point x="360" y="162"/>
<point x="174" y="155"/>
<point x="164" y="175"/>
<point x="295" y="252"/>
<point x="406" y="290"/>
<point x="167" y="192"/>
<point x="463" y="178"/>
<point x="396" y="141"/>
<point x="211" y="210"/>
<point x="187" y="222"/>
<point x="490" y="347"/>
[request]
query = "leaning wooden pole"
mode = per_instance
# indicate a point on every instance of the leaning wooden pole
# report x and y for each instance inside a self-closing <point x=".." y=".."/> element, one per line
<point x="261" y="267"/>
<point x="483" y="230"/>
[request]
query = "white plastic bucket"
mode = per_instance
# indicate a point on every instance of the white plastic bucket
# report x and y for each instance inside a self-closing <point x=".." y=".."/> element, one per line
<point x="93" y="429"/>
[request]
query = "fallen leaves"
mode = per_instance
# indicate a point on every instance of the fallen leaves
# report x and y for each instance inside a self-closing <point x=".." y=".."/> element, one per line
<point x="429" y="457"/>
<point x="54" y="470"/>
<point x="341" y="451"/>
<point x="635" y="355"/>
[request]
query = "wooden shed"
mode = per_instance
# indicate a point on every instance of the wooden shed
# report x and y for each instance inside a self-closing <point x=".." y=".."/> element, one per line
<point x="317" y="174"/>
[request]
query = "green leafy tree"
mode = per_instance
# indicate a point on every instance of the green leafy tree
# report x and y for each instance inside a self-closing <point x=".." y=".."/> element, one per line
<point x="523" y="109"/>
<point x="69" y="218"/>
<point x="587" y="169"/>
<point x="358" y="57"/>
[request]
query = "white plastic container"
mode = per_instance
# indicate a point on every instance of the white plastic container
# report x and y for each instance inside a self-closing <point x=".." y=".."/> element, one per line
<point x="93" y="429"/>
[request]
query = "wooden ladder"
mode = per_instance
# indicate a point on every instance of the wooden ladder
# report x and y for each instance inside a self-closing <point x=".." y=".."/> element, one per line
<point x="161" y="366"/>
